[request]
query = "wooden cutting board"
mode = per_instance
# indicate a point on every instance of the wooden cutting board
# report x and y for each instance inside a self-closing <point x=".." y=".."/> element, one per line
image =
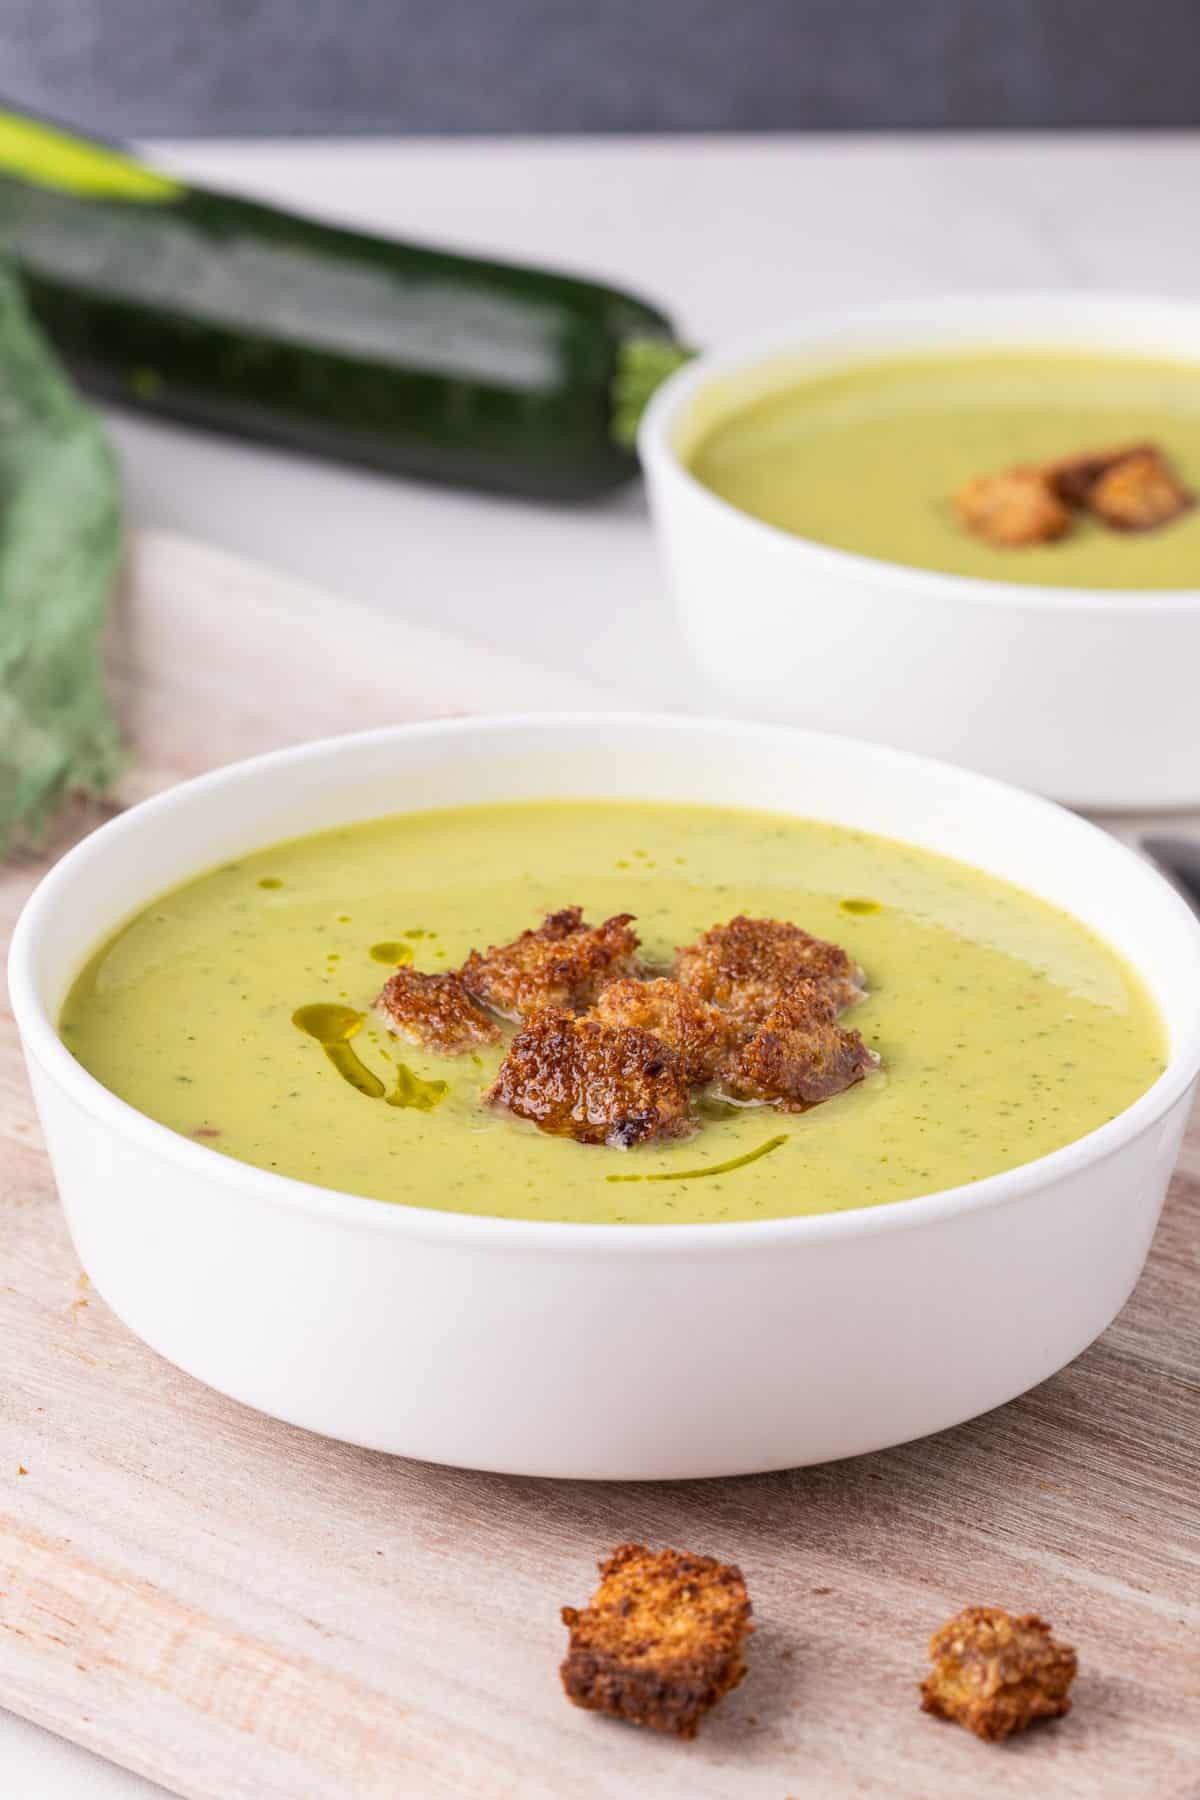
<point x="246" y="1612"/>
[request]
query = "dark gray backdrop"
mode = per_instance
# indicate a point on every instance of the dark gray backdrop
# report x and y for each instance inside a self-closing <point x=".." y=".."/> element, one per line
<point x="146" y="67"/>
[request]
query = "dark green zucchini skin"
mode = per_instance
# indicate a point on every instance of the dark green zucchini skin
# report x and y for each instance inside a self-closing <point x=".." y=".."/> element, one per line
<point x="225" y="313"/>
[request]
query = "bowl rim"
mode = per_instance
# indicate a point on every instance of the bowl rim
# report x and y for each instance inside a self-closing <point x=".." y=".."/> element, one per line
<point x="660" y="458"/>
<point x="477" y="1231"/>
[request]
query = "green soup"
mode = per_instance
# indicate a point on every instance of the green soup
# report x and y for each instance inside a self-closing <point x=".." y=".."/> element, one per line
<point x="1006" y="1029"/>
<point x="866" y="458"/>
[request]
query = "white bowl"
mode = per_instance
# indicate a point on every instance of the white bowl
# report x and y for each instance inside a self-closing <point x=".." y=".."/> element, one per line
<point x="606" y="1351"/>
<point x="1086" y="695"/>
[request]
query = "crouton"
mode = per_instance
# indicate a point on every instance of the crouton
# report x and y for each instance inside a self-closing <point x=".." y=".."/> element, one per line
<point x="662" y="1640"/>
<point x="1139" y="493"/>
<point x="799" y="1054"/>
<point x="995" y="1674"/>
<point x="1074" y="477"/>
<point x="1129" y="487"/>
<point x="599" y="1084"/>
<point x="749" y="965"/>
<point x="434" y="1011"/>
<point x="1009" y="510"/>
<point x="702" y="1036"/>
<point x="563" y="963"/>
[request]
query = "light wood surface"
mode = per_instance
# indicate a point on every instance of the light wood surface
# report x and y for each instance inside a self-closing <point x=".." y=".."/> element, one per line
<point x="246" y="1612"/>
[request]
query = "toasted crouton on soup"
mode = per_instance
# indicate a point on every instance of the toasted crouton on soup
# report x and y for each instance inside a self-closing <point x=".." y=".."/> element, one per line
<point x="1128" y="487"/>
<point x="1073" y="477"/>
<point x="661" y="1641"/>
<point x="596" y="1083"/>
<point x="700" y="1034"/>
<point x="1015" y="508"/>
<point x="799" y="1054"/>
<point x="749" y="965"/>
<point x="564" y="962"/>
<point x="1138" y="493"/>
<point x="434" y="1011"/>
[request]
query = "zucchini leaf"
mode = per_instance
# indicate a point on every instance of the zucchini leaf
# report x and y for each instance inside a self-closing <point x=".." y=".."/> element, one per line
<point x="60" y="541"/>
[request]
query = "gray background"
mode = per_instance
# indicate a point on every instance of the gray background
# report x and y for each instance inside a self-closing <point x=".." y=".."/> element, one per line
<point x="241" y="67"/>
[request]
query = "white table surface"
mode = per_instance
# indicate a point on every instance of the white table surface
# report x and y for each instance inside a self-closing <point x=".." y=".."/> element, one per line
<point x="728" y="234"/>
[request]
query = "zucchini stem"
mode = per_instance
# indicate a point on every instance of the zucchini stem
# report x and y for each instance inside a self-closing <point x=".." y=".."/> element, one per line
<point x="643" y="364"/>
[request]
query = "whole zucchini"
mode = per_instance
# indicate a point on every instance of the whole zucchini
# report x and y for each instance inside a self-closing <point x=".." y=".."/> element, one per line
<point x="242" y="317"/>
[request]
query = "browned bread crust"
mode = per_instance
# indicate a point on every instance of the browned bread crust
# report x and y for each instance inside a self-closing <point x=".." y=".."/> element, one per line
<point x="749" y="965"/>
<point x="1074" y="477"/>
<point x="1021" y="506"/>
<point x="434" y="1011"/>
<point x="799" y="1055"/>
<point x="701" y="1035"/>
<point x="563" y="963"/>
<point x="599" y="1084"/>
<point x="1129" y="487"/>
<point x="996" y="1674"/>
<point x="661" y="1641"/>
<point x="1138" y="493"/>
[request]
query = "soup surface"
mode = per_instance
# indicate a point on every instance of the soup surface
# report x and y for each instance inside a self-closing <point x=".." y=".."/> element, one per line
<point x="866" y="458"/>
<point x="1006" y="1029"/>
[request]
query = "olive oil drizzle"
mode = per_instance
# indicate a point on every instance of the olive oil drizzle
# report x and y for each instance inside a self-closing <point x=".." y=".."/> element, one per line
<point x="394" y="954"/>
<point x="333" y="1026"/>
<point x="352" y="1069"/>
<point x="723" y="1168"/>
<point x="410" y="1090"/>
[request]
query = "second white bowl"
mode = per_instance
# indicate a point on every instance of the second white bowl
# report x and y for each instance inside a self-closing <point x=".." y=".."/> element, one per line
<point x="1088" y="696"/>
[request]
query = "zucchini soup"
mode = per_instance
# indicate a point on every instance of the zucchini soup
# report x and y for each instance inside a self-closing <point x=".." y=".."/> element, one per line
<point x="892" y="458"/>
<point x="961" y="1026"/>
